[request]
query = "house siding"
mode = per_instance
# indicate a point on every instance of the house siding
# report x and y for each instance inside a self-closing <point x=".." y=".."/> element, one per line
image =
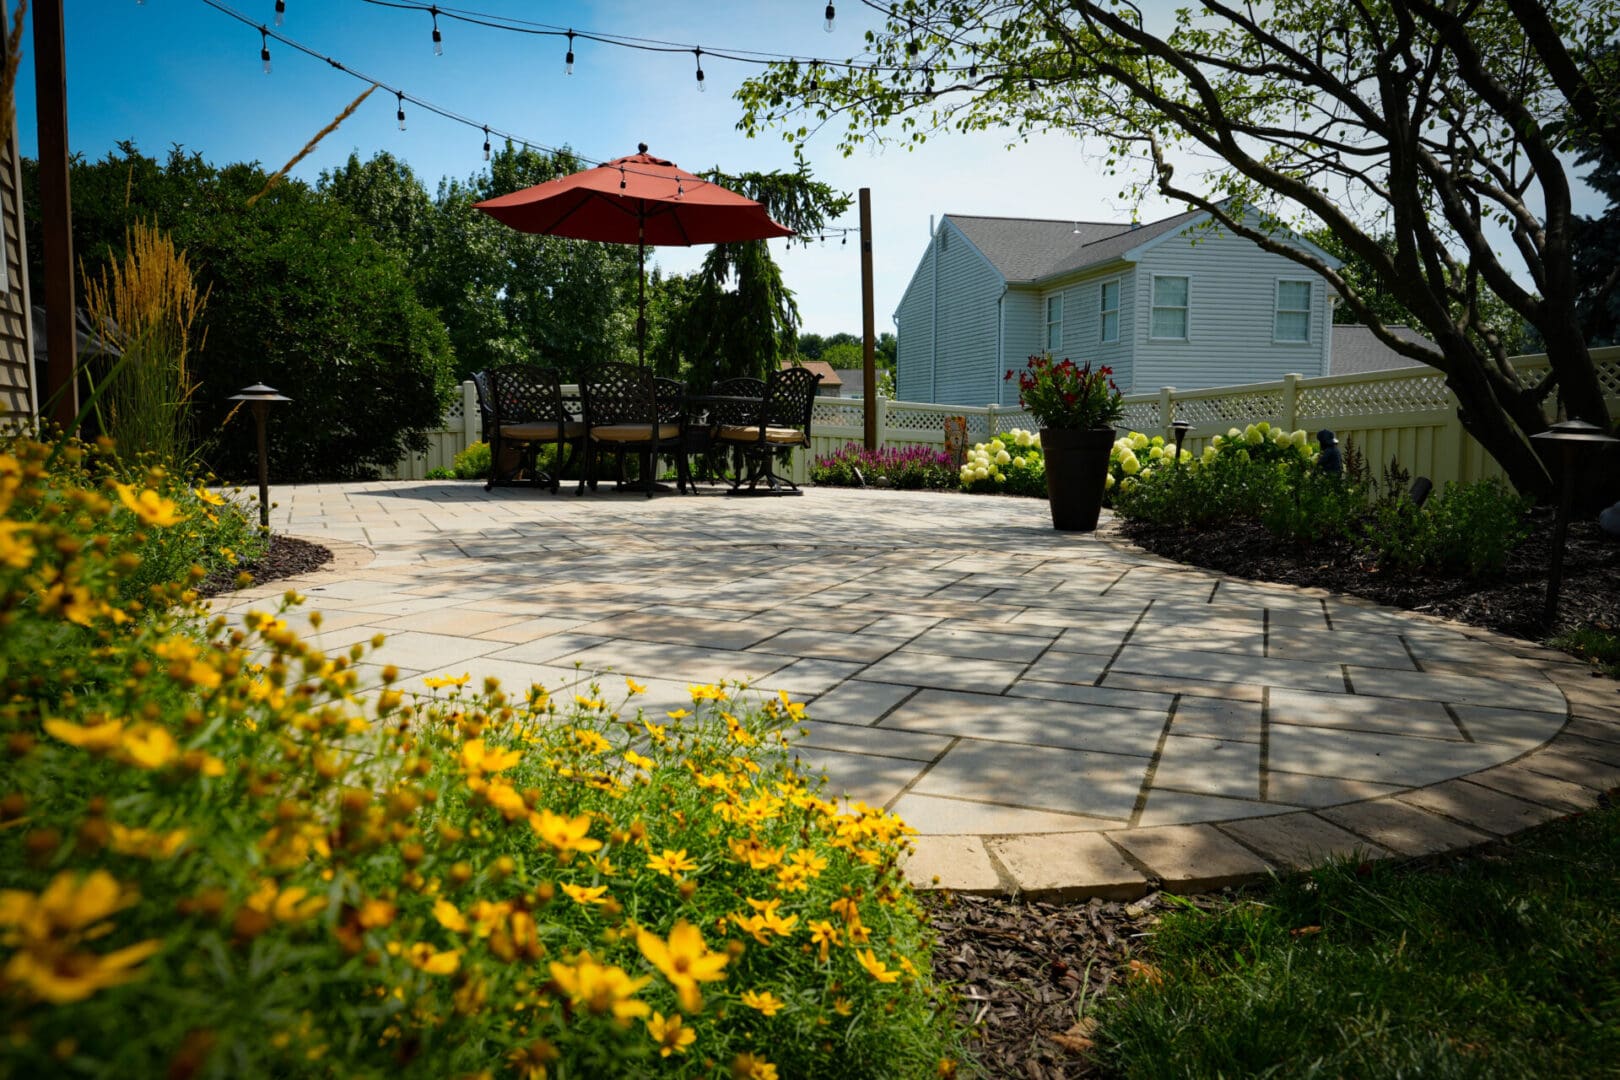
<point x="1024" y="312"/>
<point x="1082" y="321"/>
<point x="914" y="335"/>
<point x="960" y="334"/>
<point x="1231" y="305"/>
<point x="17" y="398"/>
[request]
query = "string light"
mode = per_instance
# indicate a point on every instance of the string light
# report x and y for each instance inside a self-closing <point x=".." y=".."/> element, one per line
<point x="264" y="49"/>
<point x="815" y="83"/>
<point x="622" y="184"/>
<point x="486" y="142"/>
<point x="831" y="15"/>
<point x="400" y="94"/>
<point x="699" y="54"/>
<point x="568" y="63"/>
<point x="281" y="12"/>
<point x="438" y="38"/>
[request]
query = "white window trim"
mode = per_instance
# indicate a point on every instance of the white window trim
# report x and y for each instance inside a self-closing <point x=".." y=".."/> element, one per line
<point x="1117" y="311"/>
<point x="1153" y="293"/>
<point x="1046" y="341"/>
<point x="1277" y="309"/>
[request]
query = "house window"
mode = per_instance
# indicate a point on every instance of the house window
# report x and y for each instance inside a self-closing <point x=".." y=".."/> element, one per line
<point x="1293" y="320"/>
<point x="1109" y="311"/>
<point x="1054" y="324"/>
<point x="1169" y="309"/>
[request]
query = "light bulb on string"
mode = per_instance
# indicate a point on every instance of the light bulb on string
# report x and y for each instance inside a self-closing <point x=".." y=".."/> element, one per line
<point x="568" y="61"/>
<point x="486" y="142"/>
<point x="830" y="14"/>
<point x="815" y="82"/>
<point x="400" y="94"/>
<point x="264" y="49"/>
<point x="622" y="184"/>
<point x="438" y="38"/>
<point x="281" y="12"/>
<point x="699" y="54"/>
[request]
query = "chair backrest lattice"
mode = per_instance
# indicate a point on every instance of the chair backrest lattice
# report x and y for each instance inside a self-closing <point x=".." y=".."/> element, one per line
<point x="486" y="402"/>
<point x="736" y="412"/>
<point x="618" y="393"/>
<point x="671" y="400"/>
<point x="525" y="395"/>
<point x="790" y="397"/>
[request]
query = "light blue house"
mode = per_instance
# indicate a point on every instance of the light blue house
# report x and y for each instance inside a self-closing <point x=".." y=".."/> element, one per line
<point x="1178" y="302"/>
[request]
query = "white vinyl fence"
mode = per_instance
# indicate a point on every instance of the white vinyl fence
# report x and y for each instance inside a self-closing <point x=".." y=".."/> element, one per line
<point x="1406" y="414"/>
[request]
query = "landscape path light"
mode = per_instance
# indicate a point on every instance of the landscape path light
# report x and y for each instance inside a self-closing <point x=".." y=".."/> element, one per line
<point x="1180" y="428"/>
<point x="261" y="397"/>
<point x="1573" y="438"/>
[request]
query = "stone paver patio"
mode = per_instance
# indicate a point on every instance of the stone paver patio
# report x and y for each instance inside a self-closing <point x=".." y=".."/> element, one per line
<point x="1054" y="713"/>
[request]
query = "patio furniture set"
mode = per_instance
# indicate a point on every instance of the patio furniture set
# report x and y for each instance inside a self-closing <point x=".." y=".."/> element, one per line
<point x="621" y="408"/>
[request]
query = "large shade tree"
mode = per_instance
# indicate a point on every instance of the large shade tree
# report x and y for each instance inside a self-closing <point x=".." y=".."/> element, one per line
<point x="1438" y="125"/>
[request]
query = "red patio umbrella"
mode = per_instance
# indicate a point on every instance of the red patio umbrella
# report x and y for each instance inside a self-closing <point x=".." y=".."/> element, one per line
<point x="638" y="200"/>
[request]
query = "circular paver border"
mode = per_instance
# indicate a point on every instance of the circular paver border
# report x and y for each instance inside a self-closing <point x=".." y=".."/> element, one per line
<point x="1568" y="774"/>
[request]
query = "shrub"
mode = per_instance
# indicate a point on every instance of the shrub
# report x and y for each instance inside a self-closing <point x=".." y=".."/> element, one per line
<point x="904" y="466"/>
<point x="1466" y="529"/>
<point x="214" y="860"/>
<point x="1011" y="464"/>
<point x="473" y="463"/>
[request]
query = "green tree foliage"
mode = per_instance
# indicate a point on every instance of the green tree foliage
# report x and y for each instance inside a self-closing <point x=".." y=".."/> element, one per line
<point x="739" y="317"/>
<point x="1440" y="125"/>
<point x="504" y="296"/>
<point x="302" y="296"/>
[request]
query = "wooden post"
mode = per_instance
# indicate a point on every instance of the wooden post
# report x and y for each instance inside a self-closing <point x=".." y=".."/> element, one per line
<point x="56" y="212"/>
<point x="472" y="422"/>
<point x="868" y="325"/>
<point x="1290" y="396"/>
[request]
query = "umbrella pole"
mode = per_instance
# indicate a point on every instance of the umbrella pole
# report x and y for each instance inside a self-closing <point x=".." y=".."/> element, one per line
<point x="641" y="285"/>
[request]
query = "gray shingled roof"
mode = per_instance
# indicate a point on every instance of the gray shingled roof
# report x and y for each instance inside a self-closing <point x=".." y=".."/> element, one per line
<point x="1356" y="350"/>
<point x="1026" y="249"/>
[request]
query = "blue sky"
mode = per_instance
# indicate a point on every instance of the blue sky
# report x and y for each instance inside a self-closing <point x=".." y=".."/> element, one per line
<point x="176" y="71"/>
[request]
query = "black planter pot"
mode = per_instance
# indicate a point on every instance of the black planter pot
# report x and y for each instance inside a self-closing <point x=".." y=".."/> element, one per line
<point x="1076" y="471"/>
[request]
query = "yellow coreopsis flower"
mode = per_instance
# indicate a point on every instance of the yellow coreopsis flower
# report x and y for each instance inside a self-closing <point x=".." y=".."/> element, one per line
<point x="16" y="551"/>
<point x="434" y="961"/>
<point x="601" y="988"/>
<point x="763" y="1000"/>
<point x="685" y="961"/>
<point x="633" y="758"/>
<point x="144" y="842"/>
<point x="753" y="1067"/>
<point x="672" y="1036"/>
<point x="449" y="917"/>
<point x="207" y="496"/>
<point x="672" y="863"/>
<point x="587" y="894"/>
<point x="150" y="507"/>
<point x="634" y="687"/>
<point x="149" y="746"/>
<point x="62" y="979"/>
<point x="825" y="935"/>
<point x="564" y="834"/>
<point x="477" y="759"/>
<point x="439" y="682"/>
<point x="875" y="967"/>
<point x="96" y="738"/>
<point x="377" y="913"/>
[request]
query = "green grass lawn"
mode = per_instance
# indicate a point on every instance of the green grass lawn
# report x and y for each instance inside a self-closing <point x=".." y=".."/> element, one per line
<point x="1502" y="964"/>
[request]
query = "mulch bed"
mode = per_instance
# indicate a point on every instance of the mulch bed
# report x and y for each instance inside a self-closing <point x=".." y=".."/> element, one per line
<point x="1511" y="603"/>
<point x="287" y="556"/>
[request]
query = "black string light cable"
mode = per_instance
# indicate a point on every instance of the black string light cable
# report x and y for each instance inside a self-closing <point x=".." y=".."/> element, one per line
<point x="401" y="97"/>
<point x="753" y="57"/>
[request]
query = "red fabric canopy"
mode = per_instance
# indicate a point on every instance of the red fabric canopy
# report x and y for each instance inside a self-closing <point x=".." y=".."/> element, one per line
<point x="634" y="199"/>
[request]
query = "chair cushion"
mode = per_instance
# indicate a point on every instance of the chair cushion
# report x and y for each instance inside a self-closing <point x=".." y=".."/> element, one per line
<point x="740" y="433"/>
<point x="634" y="432"/>
<point x="541" y="431"/>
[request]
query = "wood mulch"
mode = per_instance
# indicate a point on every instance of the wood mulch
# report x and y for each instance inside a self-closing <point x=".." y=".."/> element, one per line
<point x="287" y="556"/>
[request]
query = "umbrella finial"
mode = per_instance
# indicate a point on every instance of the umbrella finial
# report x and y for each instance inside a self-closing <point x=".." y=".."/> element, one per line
<point x="641" y="148"/>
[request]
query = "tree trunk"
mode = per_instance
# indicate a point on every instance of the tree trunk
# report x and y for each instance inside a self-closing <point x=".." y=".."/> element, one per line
<point x="1501" y="427"/>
